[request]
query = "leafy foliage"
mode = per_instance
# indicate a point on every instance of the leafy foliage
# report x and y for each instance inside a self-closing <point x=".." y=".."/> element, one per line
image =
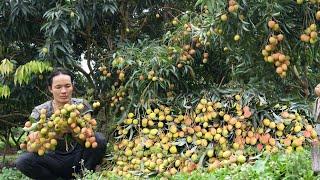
<point x="63" y="33"/>
<point x="11" y="174"/>
<point x="6" y="67"/>
<point x="292" y="166"/>
<point x="12" y="100"/>
<point x="23" y="73"/>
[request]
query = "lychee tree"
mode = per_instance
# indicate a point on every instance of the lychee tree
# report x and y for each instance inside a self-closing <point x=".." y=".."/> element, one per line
<point x="64" y="33"/>
<point x="255" y="44"/>
<point x="224" y="43"/>
<point x="241" y="32"/>
<point x="141" y="55"/>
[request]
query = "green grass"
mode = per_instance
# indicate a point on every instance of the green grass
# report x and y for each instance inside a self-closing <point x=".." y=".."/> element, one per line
<point x="12" y="174"/>
<point x="9" y="158"/>
<point x="278" y="166"/>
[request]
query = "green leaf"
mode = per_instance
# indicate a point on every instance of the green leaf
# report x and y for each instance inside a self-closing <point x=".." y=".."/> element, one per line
<point x="19" y="76"/>
<point x="24" y="72"/>
<point x="4" y="91"/>
<point x="6" y="67"/>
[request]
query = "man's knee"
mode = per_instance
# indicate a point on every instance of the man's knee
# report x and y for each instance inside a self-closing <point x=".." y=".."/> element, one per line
<point x="24" y="162"/>
<point x="31" y="165"/>
<point x="101" y="140"/>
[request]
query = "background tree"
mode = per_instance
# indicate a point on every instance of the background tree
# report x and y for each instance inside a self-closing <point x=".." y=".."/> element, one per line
<point x="64" y="33"/>
<point x="144" y="55"/>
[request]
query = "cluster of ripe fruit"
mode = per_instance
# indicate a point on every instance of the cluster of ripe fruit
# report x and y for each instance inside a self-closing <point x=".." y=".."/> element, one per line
<point x="272" y="55"/>
<point x="118" y="97"/>
<point x="188" y="50"/>
<point x="233" y="6"/>
<point x="44" y="134"/>
<point x="310" y="34"/>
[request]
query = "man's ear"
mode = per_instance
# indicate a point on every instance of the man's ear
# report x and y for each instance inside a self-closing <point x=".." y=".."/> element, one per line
<point x="50" y="88"/>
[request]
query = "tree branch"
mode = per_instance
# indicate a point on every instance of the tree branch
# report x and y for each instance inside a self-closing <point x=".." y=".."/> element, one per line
<point x="21" y="136"/>
<point x="16" y="141"/>
<point x="77" y="67"/>
<point x="89" y="40"/>
<point x="8" y="123"/>
<point x="302" y="81"/>
<point x="14" y="114"/>
<point x="46" y="94"/>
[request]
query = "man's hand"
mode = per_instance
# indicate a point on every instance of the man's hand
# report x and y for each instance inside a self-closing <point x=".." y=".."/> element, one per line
<point x="33" y="136"/>
<point x="31" y="128"/>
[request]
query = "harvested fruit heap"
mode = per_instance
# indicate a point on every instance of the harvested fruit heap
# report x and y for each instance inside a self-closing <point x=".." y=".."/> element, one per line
<point x="212" y="135"/>
<point x="46" y="131"/>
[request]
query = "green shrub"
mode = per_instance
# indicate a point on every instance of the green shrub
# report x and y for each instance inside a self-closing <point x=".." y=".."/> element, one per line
<point x="12" y="174"/>
<point x="279" y="166"/>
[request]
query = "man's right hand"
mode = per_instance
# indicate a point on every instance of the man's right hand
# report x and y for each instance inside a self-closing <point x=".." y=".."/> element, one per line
<point x="33" y="136"/>
<point x="31" y="128"/>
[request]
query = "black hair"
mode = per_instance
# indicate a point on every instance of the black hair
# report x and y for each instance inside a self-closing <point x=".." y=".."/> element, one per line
<point x="58" y="71"/>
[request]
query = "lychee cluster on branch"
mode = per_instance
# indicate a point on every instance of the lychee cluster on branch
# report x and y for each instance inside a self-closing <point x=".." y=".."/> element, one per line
<point x="272" y="54"/>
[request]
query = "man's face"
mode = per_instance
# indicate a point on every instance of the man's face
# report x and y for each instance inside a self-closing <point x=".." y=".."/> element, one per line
<point x="317" y="90"/>
<point x="61" y="88"/>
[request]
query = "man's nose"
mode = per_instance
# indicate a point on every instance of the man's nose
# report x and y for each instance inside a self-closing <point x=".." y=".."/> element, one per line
<point x="63" y="89"/>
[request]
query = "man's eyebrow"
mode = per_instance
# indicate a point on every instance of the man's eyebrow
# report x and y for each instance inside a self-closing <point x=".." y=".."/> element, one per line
<point x="63" y="84"/>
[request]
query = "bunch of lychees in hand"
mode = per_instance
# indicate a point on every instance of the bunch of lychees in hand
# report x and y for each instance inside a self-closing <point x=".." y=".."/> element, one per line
<point x="44" y="133"/>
